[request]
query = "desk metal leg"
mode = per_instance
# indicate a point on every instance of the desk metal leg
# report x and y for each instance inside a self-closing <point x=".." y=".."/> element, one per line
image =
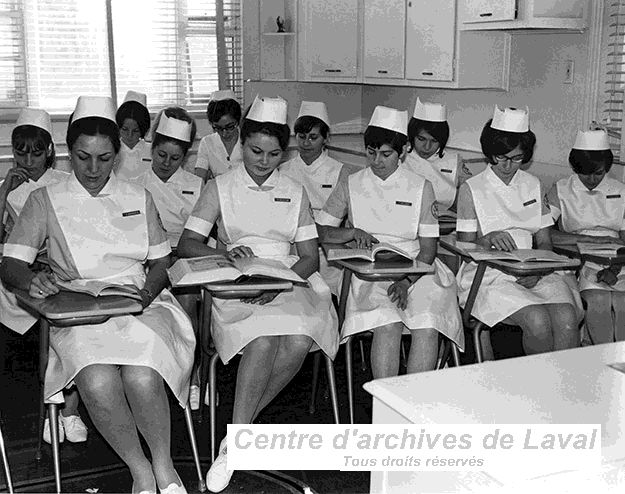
<point x="196" y="456"/>
<point x="475" y="286"/>
<point x="5" y="463"/>
<point x="347" y="278"/>
<point x="455" y="354"/>
<point x="477" y="330"/>
<point x="204" y="335"/>
<point x="332" y="387"/>
<point x="315" y="382"/>
<point x="44" y="341"/>
<point x="212" y="388"/>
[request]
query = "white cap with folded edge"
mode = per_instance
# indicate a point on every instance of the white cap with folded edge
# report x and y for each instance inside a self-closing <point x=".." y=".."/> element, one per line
<point x="592" y="140"/>
<point x="511" y="120"/>
<point x="94" y="106"/>
<point x="390" y="119"/>
<point x="222" y="94"/>
<point x="314" y="109"/>
<point x="172" y="127"/>
<point x="35" y="117"/>
<point x="137" y="97"/>
<point x="432" y="112"/>
<point x="268" y="110"/>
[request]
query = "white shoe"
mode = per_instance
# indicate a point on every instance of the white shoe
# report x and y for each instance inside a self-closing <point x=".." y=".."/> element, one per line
<point x="75" y="428"/>
<point x="207" y="398"/>
<point x="47" y="436"/>
<point x="218" y="476"/>
<point x="174" y="488"/>
<point x="194" y="397"/>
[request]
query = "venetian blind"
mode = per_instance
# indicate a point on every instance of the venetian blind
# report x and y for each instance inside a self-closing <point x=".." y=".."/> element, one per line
<point x="12" y="63"/>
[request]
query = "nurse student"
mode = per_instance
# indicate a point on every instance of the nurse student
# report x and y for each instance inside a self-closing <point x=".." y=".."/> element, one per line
<point x="133" y="120"/>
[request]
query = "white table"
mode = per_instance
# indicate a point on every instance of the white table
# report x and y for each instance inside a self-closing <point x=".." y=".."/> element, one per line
<point x="567" y="387"/>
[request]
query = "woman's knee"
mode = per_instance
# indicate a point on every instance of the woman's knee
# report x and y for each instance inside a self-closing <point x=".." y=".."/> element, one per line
<point x="97" y="380"/>
<point x="297" y="344"/>
<point x="262" y="345"/>
<point x="139" y="378"/>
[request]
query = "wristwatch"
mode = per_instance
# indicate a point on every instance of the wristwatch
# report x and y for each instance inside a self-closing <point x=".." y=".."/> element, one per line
<point x="149" y="295"/>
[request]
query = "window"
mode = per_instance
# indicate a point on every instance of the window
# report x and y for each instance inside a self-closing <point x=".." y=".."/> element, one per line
<point x="176" y="51"/>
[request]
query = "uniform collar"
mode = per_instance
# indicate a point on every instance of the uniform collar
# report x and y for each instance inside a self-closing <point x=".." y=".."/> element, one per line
<point x="76" y="187"/>
<point x="177" y="178"/>
<point x="270" y="183"/>
<point x="580" y="187"/>
<point x="497" y="182"/>
<point x="390" y="179"/>
<point x="315" y="164"/>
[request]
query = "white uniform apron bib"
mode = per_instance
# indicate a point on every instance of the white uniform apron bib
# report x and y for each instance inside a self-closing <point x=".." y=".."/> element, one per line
<point x="517" y="209"/>
<point x="267" y="222"/>
<point x="441" y="172"/>
<point x="212" y="155"/>
<point x="132" y="163"/>
<point x="390" y="211"/>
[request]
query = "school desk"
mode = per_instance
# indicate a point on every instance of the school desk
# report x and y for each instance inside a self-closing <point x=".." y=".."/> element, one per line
<point x="603" y="260"/>
<point x="567" y="387"/>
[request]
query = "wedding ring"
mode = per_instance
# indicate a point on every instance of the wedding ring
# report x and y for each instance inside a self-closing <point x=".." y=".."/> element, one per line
<point x="40" y="292"/>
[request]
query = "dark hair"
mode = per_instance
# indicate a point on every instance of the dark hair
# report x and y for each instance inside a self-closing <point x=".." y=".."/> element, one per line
<point x="92" y="126"/>
<point x="376" y="137"/>
<point x="134" y="111"/>
<point x="586" y="162"/>
<point x="179" y="114"/>
<point x="306" y="123"/>
<point x="218" y="109"/>
<point x="32" y="138"/>
<point x="497" y="142"/>
<point x="438" y="130"/>
<point x="282" y="132"/>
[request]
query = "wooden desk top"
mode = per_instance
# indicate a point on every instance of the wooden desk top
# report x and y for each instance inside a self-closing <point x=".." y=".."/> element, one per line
<point x="573" y="251"/>
<point x="253" y="288"/>
<point x="384" y="269"/>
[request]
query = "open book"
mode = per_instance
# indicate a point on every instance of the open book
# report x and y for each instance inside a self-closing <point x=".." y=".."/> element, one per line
<point x="218" y="268"/>
<point x="519" y="255"/>
<point x="612" y="249"/>
<point x="99" y="288"/>
<point x="378" y="252"/>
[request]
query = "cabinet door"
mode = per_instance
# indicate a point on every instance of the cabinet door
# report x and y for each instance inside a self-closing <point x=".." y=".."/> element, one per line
<point x="487" y="10"/>
<point x="385" y="22"/>
<point x="430" y="35"/>
<point x="331" y="37"/>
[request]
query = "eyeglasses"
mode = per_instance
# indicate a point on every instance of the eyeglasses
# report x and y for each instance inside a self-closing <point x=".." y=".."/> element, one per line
<point x="512" y="159"/>
<point x="228" y="128"/>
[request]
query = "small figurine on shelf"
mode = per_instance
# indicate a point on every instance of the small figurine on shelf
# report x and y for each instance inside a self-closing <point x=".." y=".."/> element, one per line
<point x="280" y="23"/>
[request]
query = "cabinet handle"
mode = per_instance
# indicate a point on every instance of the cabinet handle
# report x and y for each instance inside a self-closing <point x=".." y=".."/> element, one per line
<point x="333" y="70"/>
<point x="382" y="71"/>
<point x="427" y="73"/>
<point x="486" y="14"/>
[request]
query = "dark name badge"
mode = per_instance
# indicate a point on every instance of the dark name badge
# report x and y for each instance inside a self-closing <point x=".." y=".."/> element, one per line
<point x="403" y="203"/>
<point x="131" y="213"/>
<point x="446" y="170"/>
<point x="529" y="203"/>
<point x="146" y="159"/>
<point x="281" y="199"/>
<point x="188" y="192"/>
<point x="613" y="196"/>
<point x="326" y="186"/>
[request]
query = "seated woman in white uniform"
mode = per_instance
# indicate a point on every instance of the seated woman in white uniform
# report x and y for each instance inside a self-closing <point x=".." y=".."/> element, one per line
<point x="261" y="212"/>
<point x="34" y="157"/>
<point x="133" y="119"/>
<point x="428" y="133"/>
<point x="388" y="202"/>
<point x="100" y="227"/>
<point x="589" y="206"/>
<point x="220" y="151"/>
<point x="175" y="192"/>
<point x="316" y="171"/>
<point x="503" y="208"/>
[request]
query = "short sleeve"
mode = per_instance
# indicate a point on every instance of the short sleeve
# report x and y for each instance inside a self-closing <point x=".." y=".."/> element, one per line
<point x="546" y="219"/>
<point x="428" y="222"/>
<point x="553" y="202"/>
<point x="31" y="228"/>
<point x="336" y="207"/>
<point x="206" y="210"/>
<point x="202" y="155"/>
<point x="306" y="228"/>
<point x="157" y="237"/>
<point x="467" y="218"/>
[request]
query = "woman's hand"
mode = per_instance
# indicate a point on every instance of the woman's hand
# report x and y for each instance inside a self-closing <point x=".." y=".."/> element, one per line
<point x="500" y="240"/>
<point x="240" y="251"/>
<point x="262" y="299"/>
<point x="607" y="276"/>
<point x="14" y="178"/>
<point x="528" y="281"/>
<point x="398" y="292"/>
<point x="363" y="239"/>
<point x="43" y="285"/>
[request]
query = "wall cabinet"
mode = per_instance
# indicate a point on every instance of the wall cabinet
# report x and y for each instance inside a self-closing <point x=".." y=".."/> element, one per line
<point x="278" y="48"/>
<point x="384" y="38"/>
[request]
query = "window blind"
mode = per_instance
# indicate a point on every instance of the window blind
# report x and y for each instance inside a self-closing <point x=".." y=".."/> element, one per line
<point x="12" y="62"/>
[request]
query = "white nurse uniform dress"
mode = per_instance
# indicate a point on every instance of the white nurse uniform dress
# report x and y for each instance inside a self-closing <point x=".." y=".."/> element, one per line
<point x="441" y="172"/>
<point x="268" y="219"/>
<point x="213" y="157"/>
<point x="397" y="210"/>
<point x="597" y="212"/>
<point x="11" y="314"/>
<point x="106" y="237"/>
<point x="133" y="162"/>
<point x="319" y="179"/>
<point x="487" y="204"/>
<point x="174" y="199"/>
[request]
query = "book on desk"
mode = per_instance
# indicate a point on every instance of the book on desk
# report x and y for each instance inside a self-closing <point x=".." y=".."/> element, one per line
<point x="517" y="255"/>
<point x="378" y="252"/>
<point x="99" y="288"/>
<point x="608" y="249"/>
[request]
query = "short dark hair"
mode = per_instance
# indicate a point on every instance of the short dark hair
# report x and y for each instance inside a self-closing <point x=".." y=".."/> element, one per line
<point x="497" y="142"/>
<point x="215" y="110"/>
<point x="92" y="126"/>
<point x="32" y="138"/>
<point x="585" y="162"/>
<point x="306" y="123"/>
<point x="134" y="111"/>
<point x="438" y="130"/>
<point x="376" y="137"/>
<point x="282" y="132"/>
<point x="179" y="114"/>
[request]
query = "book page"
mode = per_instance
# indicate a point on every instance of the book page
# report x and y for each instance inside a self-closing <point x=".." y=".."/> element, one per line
<point x="99" y="288"/>
<point x="256" y="266"/>
<point x="521" y="255"/>
<point x="208" y="263"/>
<point x="611" y="249"/>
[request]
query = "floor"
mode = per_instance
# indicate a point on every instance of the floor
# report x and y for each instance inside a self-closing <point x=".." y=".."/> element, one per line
<point x="19" y="405"/>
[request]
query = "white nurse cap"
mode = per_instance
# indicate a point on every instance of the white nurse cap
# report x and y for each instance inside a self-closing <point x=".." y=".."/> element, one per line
<point x="432" y="112"/>
<point x="314" y="109"/>
<point x="222" y="94"/>
<point x="268" y="110"/>
<point x="592" y="140"/>
<point x="94" y="106"/>
<point x="511" y="120"/>
<point x="172" y="127"/>
<point x="137" y="97"/>
<point x="36" y="118"/>
<point x="390" y="119"/>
